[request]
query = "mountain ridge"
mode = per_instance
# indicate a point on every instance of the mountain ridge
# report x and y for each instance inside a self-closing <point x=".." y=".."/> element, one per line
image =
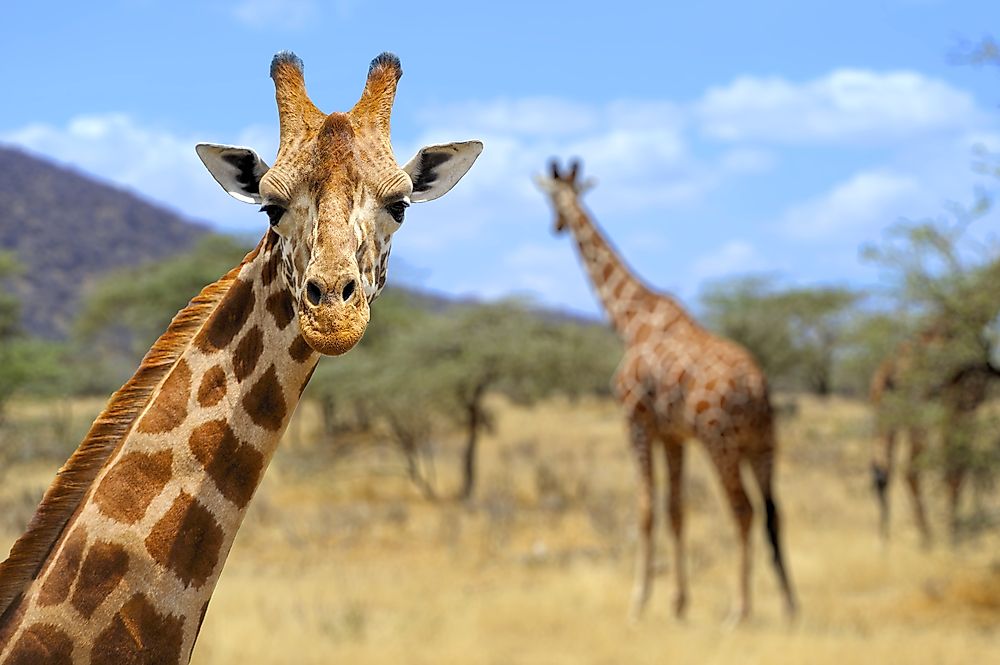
<point x="67" y="228"/>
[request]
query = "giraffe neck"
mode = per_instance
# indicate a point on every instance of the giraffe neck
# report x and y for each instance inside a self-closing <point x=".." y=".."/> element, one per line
<point x="624" y="295"/>
<point x="133" y="569"/>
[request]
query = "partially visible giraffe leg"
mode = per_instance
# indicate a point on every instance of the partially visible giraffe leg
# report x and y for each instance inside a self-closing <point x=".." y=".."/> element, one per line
<point x="675" y="509"/>
<point x="727" y="463"/>
<point x="918" y="444"/>
<point x="642" y="438"/>
<point x="956" y="460"/>
<point x="762" y="465"/>
<point x="882" y="462"/>
<point x="954" y="478"/>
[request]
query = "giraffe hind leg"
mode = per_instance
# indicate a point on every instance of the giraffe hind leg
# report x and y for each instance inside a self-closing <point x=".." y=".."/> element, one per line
<point x="642" y="451"/>
<point x="917" y="445"/>
<point x="726" y="459"/>
<point x="762" y="466"/>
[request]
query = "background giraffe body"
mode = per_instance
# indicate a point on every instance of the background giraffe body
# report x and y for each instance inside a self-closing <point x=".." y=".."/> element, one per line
<point x="125" y="550"/>
<point x="677" y="381"/>
<point x="960" y="391"/>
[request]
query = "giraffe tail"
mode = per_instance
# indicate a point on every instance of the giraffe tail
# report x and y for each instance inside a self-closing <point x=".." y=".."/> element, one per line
<point x="763" y="470"/>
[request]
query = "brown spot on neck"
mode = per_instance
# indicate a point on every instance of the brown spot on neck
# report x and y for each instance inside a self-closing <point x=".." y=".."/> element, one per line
<point x="187" y="541"/>
<point x="132" y="483"/>
<point x="169" y="408"/>
<point x="102" y="571"/>
<point x="299" y="350"/>
<point x="228" y="318"/>
<point x="213" y="387"/>
<point x="270" y="270"/>
<point x="279" y="304"/>
<point x="139" y="635"/>
<point x="247" y="353"/>
<point x="235" y="467"/>
<point x="265" y="403"/>
<point x="42" y="644"/>
<point x="63" y="571"/>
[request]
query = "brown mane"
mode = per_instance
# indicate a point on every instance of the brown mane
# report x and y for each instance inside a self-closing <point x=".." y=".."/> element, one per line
<point x="74" y="479"/>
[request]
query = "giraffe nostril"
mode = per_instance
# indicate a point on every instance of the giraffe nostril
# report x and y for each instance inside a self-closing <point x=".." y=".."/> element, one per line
<point x="348" y="291"/>
<point x="313" y="293"/>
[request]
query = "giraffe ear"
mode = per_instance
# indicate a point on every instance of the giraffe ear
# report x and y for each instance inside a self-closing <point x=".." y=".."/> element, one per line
<point x="435" y="169"/>
<point x="238" y="170"/>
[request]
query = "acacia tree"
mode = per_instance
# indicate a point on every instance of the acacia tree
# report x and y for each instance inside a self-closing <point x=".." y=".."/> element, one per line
<point x="506" y="348"/>
<point x="795" y="334"/>
<point x="125" y="311"/>
<point x="424" y="373"/>
<point x="819" y="319"/>
<point x="948" y="284"/>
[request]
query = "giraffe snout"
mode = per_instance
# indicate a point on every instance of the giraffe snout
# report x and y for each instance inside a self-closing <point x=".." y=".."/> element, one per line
<point x="334" y="314"/>
<point x="317" y="292"/>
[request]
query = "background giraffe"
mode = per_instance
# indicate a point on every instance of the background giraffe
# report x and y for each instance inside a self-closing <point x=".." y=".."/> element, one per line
<point x="677" y="381"/>
<point x="900" y="384"/>
<point x="122" y="556"/>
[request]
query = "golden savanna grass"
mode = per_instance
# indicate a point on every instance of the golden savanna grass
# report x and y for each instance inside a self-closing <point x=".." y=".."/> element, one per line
<point x="341" y="561"/>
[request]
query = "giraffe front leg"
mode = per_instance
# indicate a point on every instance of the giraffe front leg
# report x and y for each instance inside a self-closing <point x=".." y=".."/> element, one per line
<point x="882" y="461"/>
<point x="642" y="450"/>
<point x="917" y="446"/>
<point x="675" y="509"/>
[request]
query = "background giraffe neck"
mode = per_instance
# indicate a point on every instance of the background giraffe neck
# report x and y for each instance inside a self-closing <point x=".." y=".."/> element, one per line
<point x="623" y="294"/>
<point x="136" y="564"/>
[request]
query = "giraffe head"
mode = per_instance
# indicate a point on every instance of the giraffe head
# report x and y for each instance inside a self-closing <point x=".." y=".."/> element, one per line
<point x="563" y="186"/>
<point x="335" y="195"/>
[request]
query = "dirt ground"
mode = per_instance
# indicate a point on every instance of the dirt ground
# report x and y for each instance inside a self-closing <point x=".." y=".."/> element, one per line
<point x="341" y="560"/>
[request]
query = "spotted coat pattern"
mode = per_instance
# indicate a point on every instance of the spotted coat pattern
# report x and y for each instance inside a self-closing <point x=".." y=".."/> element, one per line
<point x="133" y="565"/>
<point x="161" y="517"/>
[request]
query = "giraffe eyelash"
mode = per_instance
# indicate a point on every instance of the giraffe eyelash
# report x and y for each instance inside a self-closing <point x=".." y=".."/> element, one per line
<point x="274" y="212"/>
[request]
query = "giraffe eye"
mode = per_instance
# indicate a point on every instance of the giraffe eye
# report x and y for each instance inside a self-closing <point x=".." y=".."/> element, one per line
<point x="274" y="212"/>
<point x="397" y="210"/>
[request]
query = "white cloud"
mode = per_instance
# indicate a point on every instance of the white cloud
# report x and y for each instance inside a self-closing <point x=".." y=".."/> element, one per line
<point x="867" y="201"/>
<point x="534" y="116"/>
<point x="734" y="257"/>
<point x="637" y="150"/>
<point x="154" y="162"/>
<point x="657" y="164"/>
<point x="847" y="104"/>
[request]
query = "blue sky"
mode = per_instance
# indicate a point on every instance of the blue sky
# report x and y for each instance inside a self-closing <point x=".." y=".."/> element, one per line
<point x="726" y="137"/>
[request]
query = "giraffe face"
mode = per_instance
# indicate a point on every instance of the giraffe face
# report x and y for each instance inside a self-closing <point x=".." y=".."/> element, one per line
<point x="335" y="196"/>
<point x="564" y="188"/>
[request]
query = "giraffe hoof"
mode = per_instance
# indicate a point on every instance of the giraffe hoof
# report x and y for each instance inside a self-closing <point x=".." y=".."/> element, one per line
<point x="635" y="612"/>
<point x="738" y="616"/>
<point x="680" y="606"/>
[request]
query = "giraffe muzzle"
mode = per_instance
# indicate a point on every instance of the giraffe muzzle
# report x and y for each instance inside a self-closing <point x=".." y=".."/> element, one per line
<point x="333" y="315"/>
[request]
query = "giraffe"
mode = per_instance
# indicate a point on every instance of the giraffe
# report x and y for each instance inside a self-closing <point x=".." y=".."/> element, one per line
<point x="121" y="558"/>
<point x="677" y="381"/>
<point x="897" y="384"/>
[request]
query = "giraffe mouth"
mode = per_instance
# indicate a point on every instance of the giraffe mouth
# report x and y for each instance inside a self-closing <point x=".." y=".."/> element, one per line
<point x="334" y="330"/>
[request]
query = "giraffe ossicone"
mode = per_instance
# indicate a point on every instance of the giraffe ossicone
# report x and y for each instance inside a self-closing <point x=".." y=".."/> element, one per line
<point x="677" y="381"/>
<point x="126" y="547"/>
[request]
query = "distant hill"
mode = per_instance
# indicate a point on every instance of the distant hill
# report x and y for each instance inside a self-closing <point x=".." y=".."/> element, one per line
<point x="65" y="228"/>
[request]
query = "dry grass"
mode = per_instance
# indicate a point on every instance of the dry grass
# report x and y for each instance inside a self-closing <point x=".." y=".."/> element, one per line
<point x="344" y="563"/>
